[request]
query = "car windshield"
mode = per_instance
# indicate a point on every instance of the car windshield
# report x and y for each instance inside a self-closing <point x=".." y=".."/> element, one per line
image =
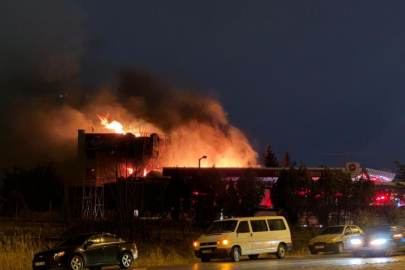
<point x="333" y="230"/>
<point x="222" y="227"/>
<point x="74" y="241"/>
<point x="383" y="229"/>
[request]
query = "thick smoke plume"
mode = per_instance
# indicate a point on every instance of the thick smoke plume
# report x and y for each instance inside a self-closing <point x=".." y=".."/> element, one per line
<point x="44" y="101"/>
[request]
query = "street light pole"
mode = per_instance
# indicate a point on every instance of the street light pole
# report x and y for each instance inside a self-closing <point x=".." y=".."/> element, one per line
<point x="199" y="161"/>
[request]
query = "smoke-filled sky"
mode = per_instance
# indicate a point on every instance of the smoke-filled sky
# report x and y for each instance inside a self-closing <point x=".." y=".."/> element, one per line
<point x="320" y="79"/>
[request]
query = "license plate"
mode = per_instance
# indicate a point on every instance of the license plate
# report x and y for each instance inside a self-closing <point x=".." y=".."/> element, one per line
<point x="319" y="247"/>
<point x="39" y="263"/>
<point x="206" y="251"/>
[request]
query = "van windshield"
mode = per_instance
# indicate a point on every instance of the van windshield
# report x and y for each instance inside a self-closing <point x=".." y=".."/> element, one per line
<point x="222" y="227"/>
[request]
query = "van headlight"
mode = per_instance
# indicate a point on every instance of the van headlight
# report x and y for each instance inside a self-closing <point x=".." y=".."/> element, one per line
<point x="355" y="241"/>
<point x="196" y="244"/>
<point x="378" y="242"/>
<point x="222" y="242"/>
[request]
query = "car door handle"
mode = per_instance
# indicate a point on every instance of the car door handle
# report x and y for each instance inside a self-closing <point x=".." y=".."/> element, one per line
<point x="251" y="234"/>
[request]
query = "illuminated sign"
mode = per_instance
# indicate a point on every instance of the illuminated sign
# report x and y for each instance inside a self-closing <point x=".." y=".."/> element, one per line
<point x="95" y="144"/>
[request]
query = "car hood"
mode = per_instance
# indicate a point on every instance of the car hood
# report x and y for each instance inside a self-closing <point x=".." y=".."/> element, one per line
<point x="326" y="238"/>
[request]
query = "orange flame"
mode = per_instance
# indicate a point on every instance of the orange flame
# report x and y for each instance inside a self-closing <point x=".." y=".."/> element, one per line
<point x="114" y="125"/>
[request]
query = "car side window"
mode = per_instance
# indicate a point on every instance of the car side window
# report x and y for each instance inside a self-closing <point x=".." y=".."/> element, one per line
<point x="348" y="231"/>
<point x="243" y="227"/>
<point x="355" y="230"/>
<point x="96" y="239"/>
<point x="258" y="225"/>
<point x="276" y="224"/>
<point x="110" y="239"/>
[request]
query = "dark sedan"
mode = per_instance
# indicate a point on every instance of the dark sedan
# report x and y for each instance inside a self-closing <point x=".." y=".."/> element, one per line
<point x="92" y="250"/>
<point x="379" y="240"/>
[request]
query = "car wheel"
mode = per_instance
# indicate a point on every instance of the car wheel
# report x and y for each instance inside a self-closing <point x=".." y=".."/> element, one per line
<point x="76" y="263"/>
<point x="254" y="257"/>
<point x="314" y="252"/>
<point x="339" y="249"/>
<point x="126" y="260"/>
<point x="281" y="251"/>
<point x="235" y="254"/>
<point x="205" y="259"/>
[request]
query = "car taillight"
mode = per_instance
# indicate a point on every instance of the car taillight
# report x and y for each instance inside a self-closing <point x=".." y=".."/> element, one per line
<point x="134" y="245"/>
<point x="398" y="236"/>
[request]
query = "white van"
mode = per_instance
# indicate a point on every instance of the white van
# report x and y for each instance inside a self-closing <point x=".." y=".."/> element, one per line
<point x="250" y="236"/>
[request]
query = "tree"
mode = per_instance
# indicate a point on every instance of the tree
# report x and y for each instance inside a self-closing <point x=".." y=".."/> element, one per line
<point x="401" y="170"/>
<point x="250" y="190"/>
<point x="325" y="189"/>
<point x="363" y="191"/>
<point x="286" y="162"/>
<point x="292" y="193"/>
<point x="232" y="199"/>
<point x="209" y="199"/>
<point x="38" y="188"/>
<point x="269" y="157"/>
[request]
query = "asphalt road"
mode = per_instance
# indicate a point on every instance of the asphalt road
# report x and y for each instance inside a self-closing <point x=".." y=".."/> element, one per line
<point x="291" y="262"/>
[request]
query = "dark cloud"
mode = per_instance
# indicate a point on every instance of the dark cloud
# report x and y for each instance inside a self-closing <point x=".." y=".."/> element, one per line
<point x="45" y="101"/>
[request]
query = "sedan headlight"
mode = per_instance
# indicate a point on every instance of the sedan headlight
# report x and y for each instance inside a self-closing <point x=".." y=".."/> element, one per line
<point x="59" y="254"/>
<point x="355" y="241"/>
<point x="378" y="242"/>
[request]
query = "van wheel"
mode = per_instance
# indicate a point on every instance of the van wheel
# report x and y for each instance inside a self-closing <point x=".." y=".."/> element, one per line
<point x="254" y="257"/>
<point x="339" y="248"/>
<point x="281" y="251"/>
<point x="235" y="254"/>
<point x="205" y="259"/>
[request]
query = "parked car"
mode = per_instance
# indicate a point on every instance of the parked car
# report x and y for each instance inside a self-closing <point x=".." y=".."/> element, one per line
<point x="92" y="250"/>
<point x="250" y="236"/>
<point x="334" y="239"/>
<point x="379" y="240"/>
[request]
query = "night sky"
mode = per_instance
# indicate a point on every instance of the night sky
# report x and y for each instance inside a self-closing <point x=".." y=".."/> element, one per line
<point x="323" y="80"/>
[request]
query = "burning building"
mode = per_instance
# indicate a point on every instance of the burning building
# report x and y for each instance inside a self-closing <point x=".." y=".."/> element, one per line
<point x="107" y="157"/>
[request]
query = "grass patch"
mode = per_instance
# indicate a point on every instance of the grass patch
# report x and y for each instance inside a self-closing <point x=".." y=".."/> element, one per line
<point x="178" y="252"/>
<point x="16" y="253"/>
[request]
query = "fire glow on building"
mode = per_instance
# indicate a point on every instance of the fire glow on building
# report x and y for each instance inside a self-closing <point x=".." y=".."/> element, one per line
<point x="117" y="154"/>
<point x="108" y="156"/>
